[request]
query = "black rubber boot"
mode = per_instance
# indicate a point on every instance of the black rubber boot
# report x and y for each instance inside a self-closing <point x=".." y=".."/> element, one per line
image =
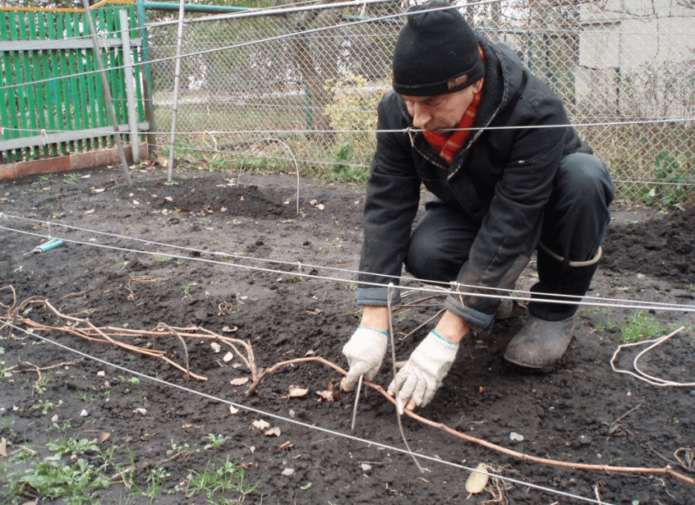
<point x="547" y="333"/>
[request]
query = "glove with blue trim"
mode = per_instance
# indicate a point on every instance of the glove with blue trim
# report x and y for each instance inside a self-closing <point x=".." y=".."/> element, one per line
<point x="429" y="363"/>
<point x="365" y="352"/>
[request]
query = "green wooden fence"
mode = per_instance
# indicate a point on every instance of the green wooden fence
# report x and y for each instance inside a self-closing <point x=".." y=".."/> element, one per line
<point x="51" y="96"/>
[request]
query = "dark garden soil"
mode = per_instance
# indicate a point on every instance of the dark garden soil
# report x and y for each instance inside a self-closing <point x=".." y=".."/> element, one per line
<point x="113" y="270"/>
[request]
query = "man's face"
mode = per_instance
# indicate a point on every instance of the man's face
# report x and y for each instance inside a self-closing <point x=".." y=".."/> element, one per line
<point x="440" y="112"/>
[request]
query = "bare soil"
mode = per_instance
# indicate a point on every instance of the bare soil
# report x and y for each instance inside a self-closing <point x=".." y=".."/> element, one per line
<point x="112" y="269"/>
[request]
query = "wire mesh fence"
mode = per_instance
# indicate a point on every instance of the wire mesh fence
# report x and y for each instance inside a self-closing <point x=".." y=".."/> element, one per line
<point x="259" y="84"/>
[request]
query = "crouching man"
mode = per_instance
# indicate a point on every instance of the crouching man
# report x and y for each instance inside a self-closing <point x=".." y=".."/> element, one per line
<point x="510" y="175"/>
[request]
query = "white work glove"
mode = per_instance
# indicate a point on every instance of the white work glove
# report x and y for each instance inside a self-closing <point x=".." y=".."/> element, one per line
<point x="423" y="373"/>
<point x="364" y="351"/>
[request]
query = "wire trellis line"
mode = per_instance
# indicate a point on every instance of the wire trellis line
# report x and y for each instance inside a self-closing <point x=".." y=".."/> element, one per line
<point x="443" y="289"/>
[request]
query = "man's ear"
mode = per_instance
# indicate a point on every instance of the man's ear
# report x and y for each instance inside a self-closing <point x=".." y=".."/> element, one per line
<point x="478" y="85"/>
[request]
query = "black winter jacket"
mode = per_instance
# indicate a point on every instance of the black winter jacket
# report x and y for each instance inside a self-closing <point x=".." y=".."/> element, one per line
<point x="501" y="178"/>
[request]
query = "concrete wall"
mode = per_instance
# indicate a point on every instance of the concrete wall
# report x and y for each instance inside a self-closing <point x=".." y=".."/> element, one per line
<point x="637" y="57"/>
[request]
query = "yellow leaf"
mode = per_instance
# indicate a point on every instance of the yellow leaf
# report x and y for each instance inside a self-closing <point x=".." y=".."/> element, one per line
<point x="478" y="479"/>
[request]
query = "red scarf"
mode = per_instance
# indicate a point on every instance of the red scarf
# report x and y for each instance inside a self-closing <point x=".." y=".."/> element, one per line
<point x="449" y="144"/>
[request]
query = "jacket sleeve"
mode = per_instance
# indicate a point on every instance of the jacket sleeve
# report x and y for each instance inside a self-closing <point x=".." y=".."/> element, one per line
<point x="393" y="193"/>
<point x="510" y="230"/>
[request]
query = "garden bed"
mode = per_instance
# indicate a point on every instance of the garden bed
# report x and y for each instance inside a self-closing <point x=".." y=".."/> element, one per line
<point x="288" y="291"/>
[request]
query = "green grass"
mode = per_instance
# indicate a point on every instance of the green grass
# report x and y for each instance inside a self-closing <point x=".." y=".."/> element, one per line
<point x="640" y="326"/>
<point x="222" y="483"/>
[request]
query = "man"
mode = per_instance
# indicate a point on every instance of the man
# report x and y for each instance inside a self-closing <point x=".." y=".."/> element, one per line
<point x="508" y="179"/>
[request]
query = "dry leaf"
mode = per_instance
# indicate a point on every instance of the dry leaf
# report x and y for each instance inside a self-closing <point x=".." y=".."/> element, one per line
<point x="233" y="410"/>
<point x="239" y="382"/>
<point x="273" y="432"/>
<point x="3" y="447"/>
<point x="260" y="425"/>
<point x="216" y="347"/>
<point x="325" y="396"/>
<point x="227" y="329"/>
<point x="141" y="411"/>
<point x="103" y="436"/>
<point x="286" y="446"/>
<point x="91" y="211"/>
<point x="296" y="392"/>
<point x="478" y="480"/>
<point x="330" y="394"/>
<point x="168" y="199"/>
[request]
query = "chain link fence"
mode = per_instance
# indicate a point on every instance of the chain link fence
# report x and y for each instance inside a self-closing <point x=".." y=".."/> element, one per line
<point x="267" y="90"/>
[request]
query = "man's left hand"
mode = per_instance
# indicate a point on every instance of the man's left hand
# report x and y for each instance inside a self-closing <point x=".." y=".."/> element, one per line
<point x="429" y="363"/>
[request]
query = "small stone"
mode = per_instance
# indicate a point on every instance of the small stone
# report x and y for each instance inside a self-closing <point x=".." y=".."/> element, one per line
<point x="84" y="413"/>
<point x="101" y="373"/>
<point x="692" y="393"/>
<point x="515" y="437"/>
<point x="585" y="440"/>
<point x="366" y="469"/>
<point x="288" y="472"/>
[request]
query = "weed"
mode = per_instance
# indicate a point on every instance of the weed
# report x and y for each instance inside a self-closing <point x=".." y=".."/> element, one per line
<point x="63" y="427"/>
<point x="606" y="327"/>
<point x="217" y="480"/>
<point x="180" y="261"/>
<point x="85" y="397"/>
<point x="73" y="447"/>
<point x="128" y="380"/>
<point x="72" y="179"/>
<point x="187" y="288"/>
<point x="155" y="482"/>
<point x="42" y="385"/>
<point x="690" y="287"/>
<point x="161" y="258"/>
<point x="639" y="326"/>
<point x="215" y="441"/>
<point x="216" y="282"/>
<point x="297" y="278"/>
<point x="46" y="177"/>
<point x="51" y="480"/>
<point x="45" y="405"/>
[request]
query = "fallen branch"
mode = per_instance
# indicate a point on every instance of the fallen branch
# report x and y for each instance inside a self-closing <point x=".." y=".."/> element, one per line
<point x="668" y="470"/>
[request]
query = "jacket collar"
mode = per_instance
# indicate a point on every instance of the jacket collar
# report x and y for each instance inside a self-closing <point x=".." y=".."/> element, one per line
<point x="496" y="94"/>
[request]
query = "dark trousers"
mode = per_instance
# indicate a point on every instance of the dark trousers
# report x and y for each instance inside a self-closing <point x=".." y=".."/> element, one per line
<point x="574" y="223"/>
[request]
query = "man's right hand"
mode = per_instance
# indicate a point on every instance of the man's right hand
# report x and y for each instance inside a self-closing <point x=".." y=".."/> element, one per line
<point x="364" y="351"/>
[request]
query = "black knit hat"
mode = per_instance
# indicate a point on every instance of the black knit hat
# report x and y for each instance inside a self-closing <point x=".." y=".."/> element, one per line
<point x="436" y="52"/>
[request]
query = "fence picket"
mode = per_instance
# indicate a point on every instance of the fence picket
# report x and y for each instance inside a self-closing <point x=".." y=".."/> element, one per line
<point x="6" y="96"/>
<point x="42" y="22"/>
<point x="39" y="89"/>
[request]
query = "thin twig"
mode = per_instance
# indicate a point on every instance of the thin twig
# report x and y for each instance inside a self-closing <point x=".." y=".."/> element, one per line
<point x="423" y="324"/>
<point x="399" y="405"/>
